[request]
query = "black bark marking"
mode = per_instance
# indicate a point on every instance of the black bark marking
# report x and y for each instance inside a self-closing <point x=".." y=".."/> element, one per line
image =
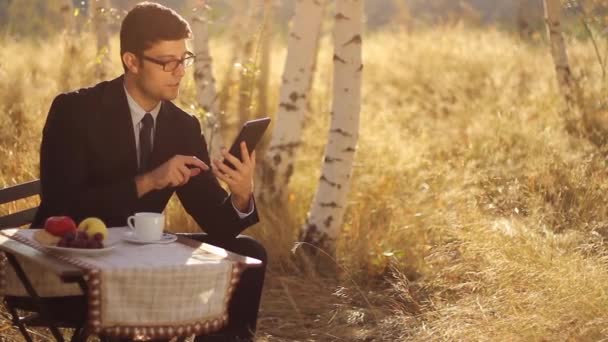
<point x="329" y="205"/>
<point x="288" y="172"/>
<point x="340" y="16"/>
<point x="328" y="221"/>
<point x="331" y="160"/>
<point x="295" y="36"/>
<point x="284" y="147"/>
<point x="356" y="39"/>
<point x="341" y="132"/>
<point x="337" y="58"/>
<point x="276" y="159"/>
<point x="332" y="184"/>
<point x="312" y="228"/>
<point x="349" y="149"/>
<point x="360" y="68"/>
<point x="290" y="107"/>
<point x="294" y="96"/>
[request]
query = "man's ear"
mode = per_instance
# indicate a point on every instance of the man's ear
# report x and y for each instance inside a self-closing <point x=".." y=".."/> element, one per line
<point x="131" y="61"/>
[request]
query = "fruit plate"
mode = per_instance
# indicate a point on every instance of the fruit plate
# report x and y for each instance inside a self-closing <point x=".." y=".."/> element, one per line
<point x="81" y="251"/>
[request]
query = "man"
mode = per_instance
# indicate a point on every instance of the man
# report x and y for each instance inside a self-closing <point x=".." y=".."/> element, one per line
<point x="122" y="147"/>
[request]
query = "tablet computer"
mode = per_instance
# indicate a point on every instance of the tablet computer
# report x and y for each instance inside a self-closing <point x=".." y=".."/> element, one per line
<point x="250" y="133"/>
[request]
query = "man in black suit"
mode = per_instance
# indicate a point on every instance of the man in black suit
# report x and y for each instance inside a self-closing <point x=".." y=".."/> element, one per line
<point x="122" y="147"/>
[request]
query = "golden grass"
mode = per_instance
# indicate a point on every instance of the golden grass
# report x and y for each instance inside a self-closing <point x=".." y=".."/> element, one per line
<point x="473" y="214"/>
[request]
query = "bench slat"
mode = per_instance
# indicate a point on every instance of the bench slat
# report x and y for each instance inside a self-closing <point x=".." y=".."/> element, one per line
<point x="19" y="191"/>
<point x="18" y="219"/>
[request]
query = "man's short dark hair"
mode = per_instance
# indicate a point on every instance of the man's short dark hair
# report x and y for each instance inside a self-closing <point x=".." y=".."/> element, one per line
<point x="148" y="23"/>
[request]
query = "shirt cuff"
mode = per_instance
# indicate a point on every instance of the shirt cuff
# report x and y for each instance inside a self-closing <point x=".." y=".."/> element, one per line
<point x="241" y="214"/>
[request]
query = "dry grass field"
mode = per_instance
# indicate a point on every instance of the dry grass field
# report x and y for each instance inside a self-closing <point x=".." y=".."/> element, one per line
<point x="474" y="215"/>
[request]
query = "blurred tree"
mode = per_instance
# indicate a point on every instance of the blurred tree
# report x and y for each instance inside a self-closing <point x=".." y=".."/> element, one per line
<point x="565" y="80"/>
<point x="523" y="20"/>
<point x="4" y="6"/>
<point x="402" y="15"/>
<point x="325" y="217"/>
<point x="277" y="165"/>
<point x="237" y="31"/>
<point x="206" y="95"/>
<point x="70" y="48"/>
<point x="34" y="18"/>
<point x="265" y="59"/>
<point x="253" y="21"/>
<point x="101" y="15"/>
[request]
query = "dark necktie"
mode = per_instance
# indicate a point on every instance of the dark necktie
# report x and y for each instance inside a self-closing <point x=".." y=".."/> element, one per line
<point x="145" y="142"/>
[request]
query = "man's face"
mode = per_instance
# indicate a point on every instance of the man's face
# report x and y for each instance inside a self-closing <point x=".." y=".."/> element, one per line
<point x="152" y="79"/>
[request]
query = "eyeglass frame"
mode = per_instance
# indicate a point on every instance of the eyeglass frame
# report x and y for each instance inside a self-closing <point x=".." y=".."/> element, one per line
<point x="189" y="57"/>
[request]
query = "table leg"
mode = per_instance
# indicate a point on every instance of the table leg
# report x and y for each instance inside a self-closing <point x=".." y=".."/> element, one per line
<point x="17" y="321"/>
<point x="80" y="335"/>
<point x="32" y="293"/>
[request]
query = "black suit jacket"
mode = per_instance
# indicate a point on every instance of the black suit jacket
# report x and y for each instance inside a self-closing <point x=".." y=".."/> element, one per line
<point x="88" y="163"/>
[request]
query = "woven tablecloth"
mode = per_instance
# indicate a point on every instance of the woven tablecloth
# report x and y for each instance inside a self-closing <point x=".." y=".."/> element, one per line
<point x="145" y="291"/>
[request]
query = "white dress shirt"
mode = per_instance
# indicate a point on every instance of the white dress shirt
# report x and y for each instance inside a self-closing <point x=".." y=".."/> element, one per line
<point x="137" y="114"/>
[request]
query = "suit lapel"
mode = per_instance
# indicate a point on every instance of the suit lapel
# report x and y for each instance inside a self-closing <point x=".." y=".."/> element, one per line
<point x="120" y="123"/>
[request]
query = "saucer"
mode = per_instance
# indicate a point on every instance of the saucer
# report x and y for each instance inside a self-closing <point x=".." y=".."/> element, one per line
<point x="165" y="238"/>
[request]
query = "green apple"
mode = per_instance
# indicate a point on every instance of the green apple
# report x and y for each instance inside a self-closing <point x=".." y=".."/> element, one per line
<point x="92" y="226"/>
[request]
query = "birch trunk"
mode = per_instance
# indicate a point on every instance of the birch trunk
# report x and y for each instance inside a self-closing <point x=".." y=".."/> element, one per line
<point x="325" y="217"/>
<point x="523" y="24"/>
<point x="100" y="12"/>
<point x="277" y="165"/>
<point x="558" y="51"/>
<point x="206" y="95"/>
<point x="238" y="28"/>
<point x="228" y="80"/>
<point x="248" y="59"/>
<point x="68" y="15"/>
<point x="402" y="16"/>
<point x="265" y="60"/>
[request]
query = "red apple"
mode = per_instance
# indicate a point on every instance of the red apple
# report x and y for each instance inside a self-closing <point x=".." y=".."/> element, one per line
<point x="59" y="225"/>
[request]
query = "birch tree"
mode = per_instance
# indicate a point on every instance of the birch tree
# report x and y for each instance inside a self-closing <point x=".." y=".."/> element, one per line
<point x="558" y="51"/>
<point x="325" y="217"/>
<point x="265" y="60"/>
<point x="206" y="95"/>
<point x="68" y="14"/>
<point x="247" y="83"/>
<point x="278" y="162"/>
<point x="100" y="12"/>
<point x="402" y="15"/>
<point x="240" y="30"/>
<point x="523" y="24"/>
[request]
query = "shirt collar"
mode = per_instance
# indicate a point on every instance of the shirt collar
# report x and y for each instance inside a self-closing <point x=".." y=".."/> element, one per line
<point x="137" y="113"/>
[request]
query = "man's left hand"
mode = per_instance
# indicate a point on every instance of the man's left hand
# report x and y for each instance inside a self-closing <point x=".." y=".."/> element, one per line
<point x="239" y="181"/>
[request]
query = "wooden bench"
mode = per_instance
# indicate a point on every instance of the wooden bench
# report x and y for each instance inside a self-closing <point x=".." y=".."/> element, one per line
<point x="15" y="193"/>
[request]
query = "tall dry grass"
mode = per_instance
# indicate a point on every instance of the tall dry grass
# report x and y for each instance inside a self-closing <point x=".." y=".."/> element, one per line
<point x="473" y="214"/>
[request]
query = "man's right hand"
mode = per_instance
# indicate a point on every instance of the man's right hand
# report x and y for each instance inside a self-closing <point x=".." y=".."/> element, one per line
<point x="174" y="172"/>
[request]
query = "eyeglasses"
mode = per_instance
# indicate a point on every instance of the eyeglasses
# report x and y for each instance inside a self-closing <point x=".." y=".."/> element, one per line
<point x="170" y="66"/>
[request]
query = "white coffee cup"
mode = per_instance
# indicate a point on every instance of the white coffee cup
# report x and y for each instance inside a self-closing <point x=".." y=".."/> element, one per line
<point x="147" y="226"/>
